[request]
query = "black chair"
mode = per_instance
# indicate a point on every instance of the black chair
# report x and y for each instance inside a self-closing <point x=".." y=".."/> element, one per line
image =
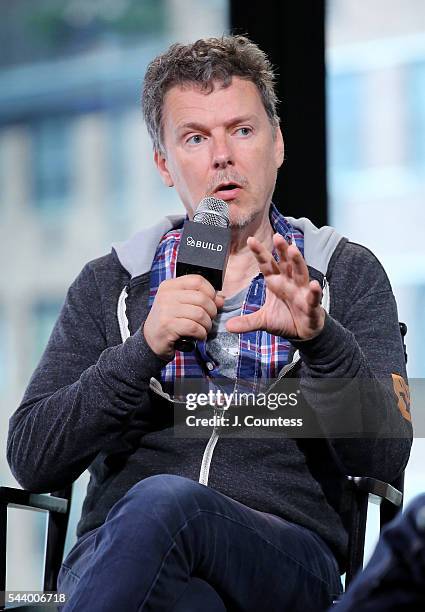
<point x="358" y="491"/>
<point x="58" y="505"/>
<point x="361" y="490"/>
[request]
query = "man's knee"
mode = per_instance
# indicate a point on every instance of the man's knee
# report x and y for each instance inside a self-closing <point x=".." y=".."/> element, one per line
<point x="164" y="486"/>
<point x="162" y="496"/>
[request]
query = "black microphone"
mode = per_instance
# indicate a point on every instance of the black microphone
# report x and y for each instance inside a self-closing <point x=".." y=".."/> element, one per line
<point x="204" y="249"/>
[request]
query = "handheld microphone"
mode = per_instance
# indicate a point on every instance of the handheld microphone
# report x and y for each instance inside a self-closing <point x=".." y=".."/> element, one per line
<point x="204" y="249"/>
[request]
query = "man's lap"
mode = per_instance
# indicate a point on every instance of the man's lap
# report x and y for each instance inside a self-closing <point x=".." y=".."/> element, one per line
<point x="244" y="554"/>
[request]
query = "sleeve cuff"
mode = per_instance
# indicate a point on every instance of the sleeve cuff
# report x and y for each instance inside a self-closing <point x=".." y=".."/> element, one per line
<point x="327" y="347"/>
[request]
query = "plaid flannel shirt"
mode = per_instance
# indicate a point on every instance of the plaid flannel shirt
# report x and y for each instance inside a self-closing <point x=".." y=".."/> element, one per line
<point x="261" y="355"/>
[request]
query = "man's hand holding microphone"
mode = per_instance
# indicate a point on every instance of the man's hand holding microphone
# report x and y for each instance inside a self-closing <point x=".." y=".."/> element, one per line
<point x="183" y="307"/>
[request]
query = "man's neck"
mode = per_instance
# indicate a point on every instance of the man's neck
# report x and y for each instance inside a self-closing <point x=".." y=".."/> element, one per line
<point x="242" y="265"/>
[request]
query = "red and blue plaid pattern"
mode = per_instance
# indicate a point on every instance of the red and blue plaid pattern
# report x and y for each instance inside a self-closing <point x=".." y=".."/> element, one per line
<point x="261" y="355"/>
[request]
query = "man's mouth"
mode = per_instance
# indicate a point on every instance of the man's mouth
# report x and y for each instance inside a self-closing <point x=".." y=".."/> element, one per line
<point x="227" y="191"/>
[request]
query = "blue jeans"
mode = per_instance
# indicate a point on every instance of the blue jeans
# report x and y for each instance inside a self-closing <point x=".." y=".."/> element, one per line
<point x="173" y="544"/>
<point x="394" y="578"/>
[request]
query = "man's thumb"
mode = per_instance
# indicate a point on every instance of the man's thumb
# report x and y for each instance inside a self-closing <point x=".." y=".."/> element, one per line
<point x="244" y="323"/>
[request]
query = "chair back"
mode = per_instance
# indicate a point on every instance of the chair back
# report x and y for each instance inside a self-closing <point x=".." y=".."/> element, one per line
<point x="55" y="544"/>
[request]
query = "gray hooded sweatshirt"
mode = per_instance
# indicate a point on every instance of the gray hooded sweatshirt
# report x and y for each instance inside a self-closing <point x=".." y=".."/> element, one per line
<point x="94" y="402"/>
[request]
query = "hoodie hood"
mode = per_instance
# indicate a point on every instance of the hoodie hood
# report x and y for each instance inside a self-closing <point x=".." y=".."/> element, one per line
<point x="319" y="243"/>
<point x="136" y="254"/>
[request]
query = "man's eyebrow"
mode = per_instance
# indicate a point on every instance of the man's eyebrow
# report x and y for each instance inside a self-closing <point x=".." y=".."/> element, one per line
<point x="194" y="125"/>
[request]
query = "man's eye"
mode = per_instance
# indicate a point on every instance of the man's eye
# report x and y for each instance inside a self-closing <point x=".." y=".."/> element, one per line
<point x="195" y="139"/>
<point x="244" y="131"/>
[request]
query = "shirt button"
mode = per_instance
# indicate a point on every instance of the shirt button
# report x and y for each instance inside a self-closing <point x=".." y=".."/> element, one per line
<point x="210" y="365"/>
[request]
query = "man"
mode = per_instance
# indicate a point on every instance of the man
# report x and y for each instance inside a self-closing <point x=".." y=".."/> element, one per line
<point x="240" y="524"/>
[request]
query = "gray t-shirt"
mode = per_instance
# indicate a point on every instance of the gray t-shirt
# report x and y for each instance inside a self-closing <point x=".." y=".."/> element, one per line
<point x="222" y="346"/>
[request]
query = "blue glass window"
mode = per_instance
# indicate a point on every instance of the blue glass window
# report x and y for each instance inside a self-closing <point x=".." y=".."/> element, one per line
<point x="416" y="108"/>
<point x="51" y="163"/>
<point x="344" y="121"/>
<point x="3" y="350"/>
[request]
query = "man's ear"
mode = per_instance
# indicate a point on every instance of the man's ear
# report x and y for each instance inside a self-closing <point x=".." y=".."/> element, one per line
<point x="279" y="147"/>
<point x="161" y="164"/>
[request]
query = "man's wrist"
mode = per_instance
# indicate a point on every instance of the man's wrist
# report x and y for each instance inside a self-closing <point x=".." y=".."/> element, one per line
<point x="317" y="333"/>
<point x="323" y="346"/>
<point x="320" y="326"/>
<point x="151" y="346"/>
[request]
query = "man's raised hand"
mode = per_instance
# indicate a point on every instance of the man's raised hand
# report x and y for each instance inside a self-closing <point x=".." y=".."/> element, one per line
<point x="292" y="306"/>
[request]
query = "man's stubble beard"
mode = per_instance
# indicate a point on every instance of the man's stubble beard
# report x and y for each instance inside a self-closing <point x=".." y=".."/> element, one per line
<point x="241" y="223"/>
<point x="245" y="220"/>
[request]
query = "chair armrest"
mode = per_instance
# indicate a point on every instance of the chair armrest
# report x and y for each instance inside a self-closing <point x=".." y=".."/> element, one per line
<point x="381" y="490"/>
<point x="360" y="490"/>
<point x="37" y="501"/>
<point x="58" y="508"/>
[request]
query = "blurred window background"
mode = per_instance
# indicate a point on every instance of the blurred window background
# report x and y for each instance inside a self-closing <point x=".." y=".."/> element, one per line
<point x="51" y="163"/>
<point x="76" y="173"/>
<point x="375" y="64"/>
<point x="4" y="350"/>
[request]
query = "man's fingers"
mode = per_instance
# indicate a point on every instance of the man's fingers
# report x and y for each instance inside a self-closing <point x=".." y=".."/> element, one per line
<point x="258" y="249"/>
<point x="194" y="282"/>
<point x="314" y="296"/>
<point x="299" y="267"/>
<point x="285" y="265"/>
<point x="198" y="298"/>
<point x="188" y="328"/>
<point x="219" y="301"/>
<point x="264" y="258"/>
<point x="281" y="247"/>
<point x="194" y="313"/>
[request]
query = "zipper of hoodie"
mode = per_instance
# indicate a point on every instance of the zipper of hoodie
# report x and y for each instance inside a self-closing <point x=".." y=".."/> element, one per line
<point x="209" y="449"/>
<point x="122" y="314"/>
<point x="211" y="444"/>
<point x="286" y="370"/>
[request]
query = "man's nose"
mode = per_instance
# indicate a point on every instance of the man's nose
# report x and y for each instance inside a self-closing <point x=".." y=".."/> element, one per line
<point x="222" y="155"/>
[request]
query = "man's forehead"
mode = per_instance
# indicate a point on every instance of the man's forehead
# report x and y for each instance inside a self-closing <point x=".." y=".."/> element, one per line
<point x="187" y="97"/>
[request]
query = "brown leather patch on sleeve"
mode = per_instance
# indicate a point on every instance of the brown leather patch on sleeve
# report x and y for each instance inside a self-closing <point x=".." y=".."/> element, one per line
<point x="401" y="389"/>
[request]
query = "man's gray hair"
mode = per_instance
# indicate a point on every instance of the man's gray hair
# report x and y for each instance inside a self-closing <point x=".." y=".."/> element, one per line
<point x="201" y="63"/>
